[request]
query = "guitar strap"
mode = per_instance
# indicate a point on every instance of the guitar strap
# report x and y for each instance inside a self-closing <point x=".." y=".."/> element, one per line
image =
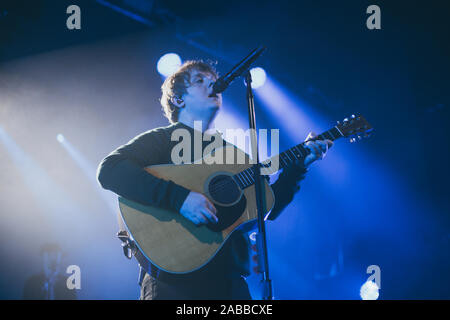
<point x="130" y="249"/>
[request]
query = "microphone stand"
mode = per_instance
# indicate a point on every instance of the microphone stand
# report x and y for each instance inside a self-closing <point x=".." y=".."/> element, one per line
<point x="261" y="240"/>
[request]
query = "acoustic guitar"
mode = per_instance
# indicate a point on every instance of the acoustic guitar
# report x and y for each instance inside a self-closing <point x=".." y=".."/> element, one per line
<point x="175" y="244"/>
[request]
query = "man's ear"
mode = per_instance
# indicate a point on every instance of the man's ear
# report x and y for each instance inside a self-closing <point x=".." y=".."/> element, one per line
<point x="177" y="101"/>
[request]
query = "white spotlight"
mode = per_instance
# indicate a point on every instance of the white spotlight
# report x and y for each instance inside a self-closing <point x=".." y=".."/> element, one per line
<point x="258" y="77"/>
<point x="168" y="64"/>
<point x="369" y="291"/>
<point x="60" y="138"/>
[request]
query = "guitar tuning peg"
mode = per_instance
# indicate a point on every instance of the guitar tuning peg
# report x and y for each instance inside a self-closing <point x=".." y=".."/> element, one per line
<point x="352" y="140"/>
<point x="359" y="137"/>
<point x="353" y="116"/>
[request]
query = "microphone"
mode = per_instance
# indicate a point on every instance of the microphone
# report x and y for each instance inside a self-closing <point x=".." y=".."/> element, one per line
<point x="224" y="81"/>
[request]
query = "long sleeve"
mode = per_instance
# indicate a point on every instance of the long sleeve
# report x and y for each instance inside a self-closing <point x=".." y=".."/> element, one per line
<point x="122" y="172"/>
<point x="285" y="188"/>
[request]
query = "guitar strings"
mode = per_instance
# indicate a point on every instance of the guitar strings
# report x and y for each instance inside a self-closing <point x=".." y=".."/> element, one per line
<point x="221" y="186"/>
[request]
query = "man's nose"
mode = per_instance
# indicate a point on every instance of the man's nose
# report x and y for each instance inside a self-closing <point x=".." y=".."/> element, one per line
<point x="210" y="86"/>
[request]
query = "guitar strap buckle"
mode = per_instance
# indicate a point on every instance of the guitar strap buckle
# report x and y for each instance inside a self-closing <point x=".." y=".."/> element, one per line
<point x="128" y="245"/>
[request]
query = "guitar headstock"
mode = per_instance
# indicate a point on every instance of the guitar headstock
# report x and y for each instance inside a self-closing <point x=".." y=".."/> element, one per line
<point x="355" y="127"/>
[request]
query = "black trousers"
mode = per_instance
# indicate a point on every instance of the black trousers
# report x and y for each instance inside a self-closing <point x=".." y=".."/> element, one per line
<point x="219" y="288"/>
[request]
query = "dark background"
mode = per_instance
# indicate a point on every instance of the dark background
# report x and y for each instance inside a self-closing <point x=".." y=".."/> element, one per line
<point x="383" y="201"/>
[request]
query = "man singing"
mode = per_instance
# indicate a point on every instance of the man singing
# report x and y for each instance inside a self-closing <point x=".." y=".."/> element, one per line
<point x="186" y="97"/>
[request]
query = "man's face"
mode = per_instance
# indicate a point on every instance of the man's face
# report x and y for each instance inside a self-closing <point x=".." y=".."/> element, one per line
<point x="197" y="99"/>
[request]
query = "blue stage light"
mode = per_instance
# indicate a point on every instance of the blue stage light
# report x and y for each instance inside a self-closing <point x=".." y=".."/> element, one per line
<point x="168" y="64"/>
<point x="258" y="77"/>
<point x="60" y="138"/>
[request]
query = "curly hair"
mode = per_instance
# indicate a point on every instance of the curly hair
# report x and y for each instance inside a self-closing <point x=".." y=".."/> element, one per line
<point x="175" y="86"/>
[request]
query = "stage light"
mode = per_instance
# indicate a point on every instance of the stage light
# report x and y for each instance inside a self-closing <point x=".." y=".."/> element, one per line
<point x="60" y="138"/>
<point x="168" y="64"/>
<point x="369" y="291"/>
<point x="258" y="77"/>
<point x="89" y="170"/>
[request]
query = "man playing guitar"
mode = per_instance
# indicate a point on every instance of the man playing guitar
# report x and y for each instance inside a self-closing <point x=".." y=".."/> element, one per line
<point x="185" y="99"/>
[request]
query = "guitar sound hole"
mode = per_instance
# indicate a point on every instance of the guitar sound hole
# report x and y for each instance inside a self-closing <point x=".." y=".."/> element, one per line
<point x="229" y="201"/>
<point x="223" y="189"/>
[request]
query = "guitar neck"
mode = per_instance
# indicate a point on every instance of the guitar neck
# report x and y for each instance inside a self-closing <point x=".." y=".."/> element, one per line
<point x="287" y="158"/>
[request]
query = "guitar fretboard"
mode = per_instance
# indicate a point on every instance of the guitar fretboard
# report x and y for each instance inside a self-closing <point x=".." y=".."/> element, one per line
<point x="246" y="178"/>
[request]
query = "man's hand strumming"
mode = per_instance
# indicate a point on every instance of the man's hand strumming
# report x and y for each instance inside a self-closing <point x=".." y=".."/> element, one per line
<point x="198" y="209"/>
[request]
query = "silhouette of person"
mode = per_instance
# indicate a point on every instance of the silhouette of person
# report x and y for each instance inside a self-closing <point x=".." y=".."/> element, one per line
<point x="50" y="283"/>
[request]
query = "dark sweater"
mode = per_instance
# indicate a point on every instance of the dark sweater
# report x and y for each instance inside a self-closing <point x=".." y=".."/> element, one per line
<point x="123" y="172"/>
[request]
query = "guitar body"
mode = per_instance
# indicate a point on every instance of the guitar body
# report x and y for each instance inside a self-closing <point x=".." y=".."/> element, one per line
<point x="172" y="242"/>
<point x="176" y="245"/>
